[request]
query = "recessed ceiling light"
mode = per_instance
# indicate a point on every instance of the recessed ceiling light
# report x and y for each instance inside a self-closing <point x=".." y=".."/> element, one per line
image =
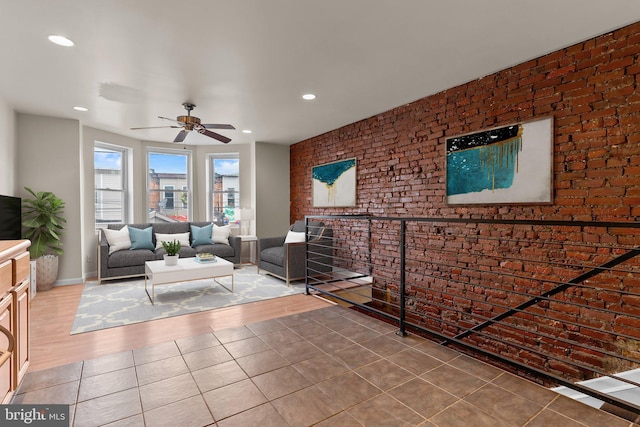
<point x="246" y="131"/>
<point x="308" y="96"/>
<point x="78" y="108"/>
<point x="60" y="40"/>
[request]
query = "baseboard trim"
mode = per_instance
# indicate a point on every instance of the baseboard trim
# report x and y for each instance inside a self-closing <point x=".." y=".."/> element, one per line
<point x="67" y="282"/>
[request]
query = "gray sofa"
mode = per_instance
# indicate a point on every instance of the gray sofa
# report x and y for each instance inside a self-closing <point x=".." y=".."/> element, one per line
<point x="287" y="261"/>
<point x="130" y="263"/>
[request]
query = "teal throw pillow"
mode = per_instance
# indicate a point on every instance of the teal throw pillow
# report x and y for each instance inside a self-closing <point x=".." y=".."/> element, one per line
<point x="201" y="235"/>
<point x="141" y="239"/>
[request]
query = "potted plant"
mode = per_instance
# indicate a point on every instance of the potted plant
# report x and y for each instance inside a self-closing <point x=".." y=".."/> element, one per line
<point x="172" y="248"/>
<point x="43" y="225"/>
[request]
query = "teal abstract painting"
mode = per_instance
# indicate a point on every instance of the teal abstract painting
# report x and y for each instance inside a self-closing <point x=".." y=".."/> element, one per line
<point x="509" y="164"/>
<point x="484" y="160"/>
<point x="334" y="184"/>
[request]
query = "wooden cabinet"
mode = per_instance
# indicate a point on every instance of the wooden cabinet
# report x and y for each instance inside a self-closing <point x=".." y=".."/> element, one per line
<point x="6" y="277"/>
<point x="21" y="297"/>
<point x="7" y="381"/>
<point x="21" y="268"/>
<point x="14" y="313"/>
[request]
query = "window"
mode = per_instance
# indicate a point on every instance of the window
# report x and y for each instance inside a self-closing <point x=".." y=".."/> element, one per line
<point x="110" y="179"/>
<point x="224" y="181"/>
<point x="168" y="183"/>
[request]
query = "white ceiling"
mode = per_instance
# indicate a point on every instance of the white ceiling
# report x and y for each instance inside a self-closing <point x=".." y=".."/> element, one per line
<point x="247" y="62"/>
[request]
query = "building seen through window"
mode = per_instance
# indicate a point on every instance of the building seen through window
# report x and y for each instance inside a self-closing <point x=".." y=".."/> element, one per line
<point x="110" y="184"/>
<point x="168" y="183"/>
<point x="224" y="184"/>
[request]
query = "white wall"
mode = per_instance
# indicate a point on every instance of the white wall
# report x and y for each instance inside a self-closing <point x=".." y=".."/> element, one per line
<point x="272" y="189"/>
<point x="8" y="156"/>
<point x="48" y="154"/>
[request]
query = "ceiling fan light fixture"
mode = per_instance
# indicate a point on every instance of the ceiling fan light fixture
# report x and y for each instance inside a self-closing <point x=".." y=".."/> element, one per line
<point x="246" y="131"/>
<point x="60" y="40"/>
<point x="79" y="108"/>
<point x="190" y="123"/>
<point x="308" y="96"/>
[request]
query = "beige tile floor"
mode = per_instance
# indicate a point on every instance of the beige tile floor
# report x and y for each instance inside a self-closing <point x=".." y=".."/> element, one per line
<point x="328" y="367"/>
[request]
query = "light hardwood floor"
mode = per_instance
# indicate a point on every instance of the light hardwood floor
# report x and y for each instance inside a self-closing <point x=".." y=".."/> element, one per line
<point x="52" y="314"/>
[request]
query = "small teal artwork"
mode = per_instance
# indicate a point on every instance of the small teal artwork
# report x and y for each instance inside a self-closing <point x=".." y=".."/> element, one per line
<point x="334" y="184"/>
<point x="509" y="164"/>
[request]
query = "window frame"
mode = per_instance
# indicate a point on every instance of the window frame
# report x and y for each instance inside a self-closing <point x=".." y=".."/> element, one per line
<point x="125" y="153"/>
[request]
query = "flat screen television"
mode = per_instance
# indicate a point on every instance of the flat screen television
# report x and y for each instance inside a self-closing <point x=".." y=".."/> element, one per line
<point x="10" y="218"/>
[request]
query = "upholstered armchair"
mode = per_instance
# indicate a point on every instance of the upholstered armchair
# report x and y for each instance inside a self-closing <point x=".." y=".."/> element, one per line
<point x="287" y="260"/>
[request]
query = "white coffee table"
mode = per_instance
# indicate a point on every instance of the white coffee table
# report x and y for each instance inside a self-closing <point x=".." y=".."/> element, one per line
<point x="187" y="269"/>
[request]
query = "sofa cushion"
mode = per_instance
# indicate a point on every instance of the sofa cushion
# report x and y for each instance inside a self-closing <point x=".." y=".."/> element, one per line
<point x="218" y="249"/>
<point x="117" y="239"/>
<point x="294" y="237"/>
<point x="274" y="255"/>
<point x="200" y="223"/>
<point x="141" y="239"/>
<point x="201" y="235"/>
<point x="130" y="258"/>
<point x="171" y="227"/>
<point x="183" y="238"/>
<point x="221" y="234"/>
<point x="141" y="226"/>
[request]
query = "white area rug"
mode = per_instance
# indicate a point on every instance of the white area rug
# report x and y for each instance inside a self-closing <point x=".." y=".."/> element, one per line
<point x="121" y="303"/>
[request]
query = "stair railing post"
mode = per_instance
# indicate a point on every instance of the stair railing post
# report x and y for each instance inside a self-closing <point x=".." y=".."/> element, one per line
<point x="306" y="255"/>
<point x="403" y="231"/>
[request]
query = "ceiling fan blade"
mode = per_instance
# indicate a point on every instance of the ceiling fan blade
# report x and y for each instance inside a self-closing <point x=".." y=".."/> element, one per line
<point x="156" y="127"/>
<point x="171" y="120"/>
<point x="215" y="126"/>
<point x="180" y="136"/>
<point x="213" y="135"/>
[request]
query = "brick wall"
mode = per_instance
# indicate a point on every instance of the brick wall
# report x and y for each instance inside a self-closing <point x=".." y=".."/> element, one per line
<point x="591" y="90"/>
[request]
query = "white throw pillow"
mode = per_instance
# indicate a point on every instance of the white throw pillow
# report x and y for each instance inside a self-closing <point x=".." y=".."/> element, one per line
<point x="294" y="237"/>
<point x="220" y="234"/>
<point x="118" y="239"/>
<point x="183" y="238"/>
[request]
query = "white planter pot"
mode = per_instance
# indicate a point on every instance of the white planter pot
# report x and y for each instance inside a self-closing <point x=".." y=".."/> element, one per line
<point x="46" y="272"/>
<point x="171" y="259"/>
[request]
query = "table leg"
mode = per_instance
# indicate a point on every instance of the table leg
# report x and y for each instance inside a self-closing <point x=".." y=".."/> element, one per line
<point x="153" y="294"/>
<point x="255" y="250"/>
<point x="215" y="279"/>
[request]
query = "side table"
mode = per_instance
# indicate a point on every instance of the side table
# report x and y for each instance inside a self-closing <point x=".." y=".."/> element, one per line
<point x="251" y="240"/>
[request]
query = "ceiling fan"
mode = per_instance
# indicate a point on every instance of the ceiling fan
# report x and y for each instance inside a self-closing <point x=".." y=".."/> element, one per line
<point x="189" y="123"/>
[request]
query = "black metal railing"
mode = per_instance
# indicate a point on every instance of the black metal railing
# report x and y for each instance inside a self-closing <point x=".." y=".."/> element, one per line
<point x="555" y="301"/>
